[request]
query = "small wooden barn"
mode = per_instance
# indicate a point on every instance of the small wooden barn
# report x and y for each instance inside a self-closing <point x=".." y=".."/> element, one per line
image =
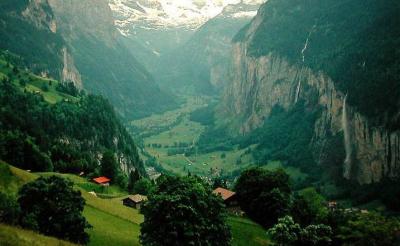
<point x="134" y="201"/>
<point x="228" y="196"/>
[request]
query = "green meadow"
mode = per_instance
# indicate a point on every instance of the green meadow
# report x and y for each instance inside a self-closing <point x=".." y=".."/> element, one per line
<point x="112" y="223"/>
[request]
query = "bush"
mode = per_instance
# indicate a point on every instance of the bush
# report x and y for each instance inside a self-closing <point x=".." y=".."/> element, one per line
<point x="9" y="209"/>
<point x="143" y="187"/>
<point x="20" y="151"/>
<point x="45" y="87"/>
<point x="264" y="195"/>
<point x="52" y="207"/>
<point x="369" y="229"/>
<point x="287" y="232"/>
<point x="184" y="211"/>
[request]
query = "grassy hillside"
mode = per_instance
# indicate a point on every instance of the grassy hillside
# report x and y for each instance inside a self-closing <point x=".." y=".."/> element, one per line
<point x="112" y="222"/>
<point x="65" y="128"/>
<point x="31" y="82"/>
<point x="11" y="236"/>
<point x="246" y="232"/>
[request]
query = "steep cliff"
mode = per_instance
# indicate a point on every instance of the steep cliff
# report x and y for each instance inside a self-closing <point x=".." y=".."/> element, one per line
<point x="27" y="28"/>
<point x="45" y="130"/>
<point x="201" y="64"/>
<point x="106" y="66"/>
<point x="296" y="53"/>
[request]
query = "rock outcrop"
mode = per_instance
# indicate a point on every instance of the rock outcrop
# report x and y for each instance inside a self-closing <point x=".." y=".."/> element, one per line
<point x="70" y="72"/>
<point x="94" y="51"/>
<point x="258" y="84"/>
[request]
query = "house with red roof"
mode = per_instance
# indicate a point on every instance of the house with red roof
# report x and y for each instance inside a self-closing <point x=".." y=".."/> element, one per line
<point x="104" y="181"/>
<point x="228" y="196"/>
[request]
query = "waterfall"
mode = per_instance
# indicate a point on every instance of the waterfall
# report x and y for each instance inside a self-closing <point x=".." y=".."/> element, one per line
<point x="347" y="140"/>
<point x="297" y="91"/>
<point x="306" y="43"/>
<point x="305" y="47"/>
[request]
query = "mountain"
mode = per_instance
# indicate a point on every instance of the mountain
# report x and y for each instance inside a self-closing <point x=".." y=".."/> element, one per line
<point x="47" y="125"/>
<point x="153" y="29"/>
<point x="29" y="30"/>
<point x="316" y="83"/>
<point x="201" y="64"/>
<point x="77" y="40"/>
<point x="163" y="14"/>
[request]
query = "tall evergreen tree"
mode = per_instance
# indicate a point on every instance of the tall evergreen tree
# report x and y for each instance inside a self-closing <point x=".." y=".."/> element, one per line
<point x="109" y="166"/>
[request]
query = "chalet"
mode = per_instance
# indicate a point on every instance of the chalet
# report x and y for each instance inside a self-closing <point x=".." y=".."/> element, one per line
<point x="332" y="205"/>
<point x="104" y="181"/>
<point x="134" y="201"/>
<point x="228" y="196"/>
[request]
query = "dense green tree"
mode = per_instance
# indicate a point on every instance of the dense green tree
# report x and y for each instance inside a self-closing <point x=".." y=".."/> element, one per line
<point x="264" y="195"/>
<point x="143" y="187"/>
<point x="315" y="235"/>
<point x="68" y="87"/>
<point x="285" y="232"/>
<point x="369" y="229"/>
<point x="52" y="207"/>
<point x="45" y="87"/>
<point x="301" y="211"/>
<point x="288" y="233"/>
<point x="309" y="207"/>
<point x="69" y="132"/>
<point x="9" y="209"/>
<point x="184" y="211"/>
<point x="109" y="166"/>
<point x="134" y="177"/>
<point x="269" y="206"/>
<point x="21" y="151"/>
<point x="220" y="182"/>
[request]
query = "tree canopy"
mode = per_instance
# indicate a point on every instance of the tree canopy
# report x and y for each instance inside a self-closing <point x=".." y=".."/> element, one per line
<point x="184" y="211"/>
<point x="264" y="195"/>
<point x="52" y="207"/>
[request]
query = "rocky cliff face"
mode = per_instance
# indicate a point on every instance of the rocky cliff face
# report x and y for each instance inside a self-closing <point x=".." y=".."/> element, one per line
<point x="202" y="63"/>
<point x="31" y="31"/>
<point x="38" y="13"/>
<point x="91" y="17"/>
<point x="260" y="83"/>
<point x="105" y="64"/>
<point x="70" y="72"/>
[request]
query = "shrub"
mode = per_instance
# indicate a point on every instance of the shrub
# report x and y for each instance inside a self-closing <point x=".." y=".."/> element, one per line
<point x="52" y="207"/>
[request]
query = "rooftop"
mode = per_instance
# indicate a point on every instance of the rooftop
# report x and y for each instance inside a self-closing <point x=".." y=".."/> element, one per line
<point x="101" y="180"/>
<point x="137" y="198"/>
<point x="224" y="193"/>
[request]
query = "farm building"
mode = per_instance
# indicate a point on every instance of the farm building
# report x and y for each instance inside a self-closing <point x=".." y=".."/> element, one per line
<point x="228" y="196"/>
<point x="102" y="181"/>
<point x="134" y="201"/>
<point x="230" y="200"/>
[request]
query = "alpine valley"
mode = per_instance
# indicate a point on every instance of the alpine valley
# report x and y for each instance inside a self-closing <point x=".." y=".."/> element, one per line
<point x="199" y="122"/>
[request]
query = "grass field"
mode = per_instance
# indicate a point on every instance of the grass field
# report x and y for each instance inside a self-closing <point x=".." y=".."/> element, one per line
<point x="171" y="132"/>
<point x="113" y="223"/>
<point x="161" y="122"/>
<point x="84" y="184"/>
<point x="246" y="232"/>
<point x="109" y="229"/>
<point x="13" y="236"/>
<point x="208" y="164"/>
<point x="34" y="83"/>
<point x="295" y="173"/>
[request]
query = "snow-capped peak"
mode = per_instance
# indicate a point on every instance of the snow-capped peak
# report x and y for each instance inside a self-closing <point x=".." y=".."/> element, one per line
<point x="157" y="14"/>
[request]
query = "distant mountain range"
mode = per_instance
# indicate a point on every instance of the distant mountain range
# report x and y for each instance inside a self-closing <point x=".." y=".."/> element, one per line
<point x="165" y="14"/>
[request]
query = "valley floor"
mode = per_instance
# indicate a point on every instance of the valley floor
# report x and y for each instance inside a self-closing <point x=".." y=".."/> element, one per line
<point x="163" y="135"/>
